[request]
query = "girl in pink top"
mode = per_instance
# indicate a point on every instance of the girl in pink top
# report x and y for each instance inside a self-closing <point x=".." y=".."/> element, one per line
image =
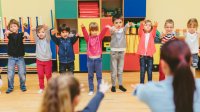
<point x="94" y="51"/>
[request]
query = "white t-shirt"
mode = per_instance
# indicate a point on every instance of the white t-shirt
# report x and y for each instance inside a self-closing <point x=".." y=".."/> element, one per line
<point x="147" y="35"/>
<point x="193" y="42"/>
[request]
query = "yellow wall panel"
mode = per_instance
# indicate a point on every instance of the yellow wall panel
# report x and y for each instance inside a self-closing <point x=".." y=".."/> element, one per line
<point x="76" y="63"/>
<point x="86" y="22"/>
<point x="156" y="56"/>
<point x="25" y="8"/>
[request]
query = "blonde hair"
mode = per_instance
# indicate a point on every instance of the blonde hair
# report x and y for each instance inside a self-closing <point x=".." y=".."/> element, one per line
<point x="192" y="22"/>
<point x="169" y="21"/>
<point x="93" y="26"/>
<point x="148" y="21"/>
<point x="13" y="21"/>
<point x="60" y="94"/>
<point x="39" y="27"/>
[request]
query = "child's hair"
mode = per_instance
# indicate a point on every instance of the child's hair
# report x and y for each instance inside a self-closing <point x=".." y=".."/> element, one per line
<point x="13" y="21"/>
<point x="60" y="94"/>
<point x="63" y="27"/>
<point x="192" y="22"/>
<point x="93" y="26"/>
<point x="39" y="27"/>
<point x="169" y="21"/>
<point x="115" y="17"/>
<point x="177" y="55"/>
<point x="149" y="21"/>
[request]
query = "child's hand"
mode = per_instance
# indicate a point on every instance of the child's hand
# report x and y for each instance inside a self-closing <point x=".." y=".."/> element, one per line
<point x="134" y="86"/>
<point x="7" y="32"/>
<point x="77" y="35"/>
<point x="155" y="23"/>
<point x="45" y="27"/>
<point x="26" y="35"/>
<point x="142" y="22"/>
<point x="104" y="86"/>
<point x="82" y="25"/>
<point x="53" y="32"/>
<point x="162" y="34"/>
<point x="33" y="28"/>
<point x="108" y="26"/>
<point x="131" y="23"/>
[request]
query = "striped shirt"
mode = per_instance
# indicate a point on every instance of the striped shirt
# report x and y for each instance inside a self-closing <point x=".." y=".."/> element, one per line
<point x="168" y="37"/>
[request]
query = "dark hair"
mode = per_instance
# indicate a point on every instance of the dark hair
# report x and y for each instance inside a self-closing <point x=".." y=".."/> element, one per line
<point x="117" y="16"/>
<point x="39" y="27"/>
<point x="63" y="27"/>
<point x="170" y="21"/>
<point x="177" y="55"/>
<point x="13" y="21"/>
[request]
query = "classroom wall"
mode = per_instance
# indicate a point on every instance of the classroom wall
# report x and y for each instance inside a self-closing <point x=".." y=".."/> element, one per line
<point x="0" y="9"/>
<point x="31" y="8"/>
<point x="157" y="10"/>
<point x="178" y="10"/>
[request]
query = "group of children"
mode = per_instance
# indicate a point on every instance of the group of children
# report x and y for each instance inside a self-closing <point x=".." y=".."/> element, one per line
<point x="65" y="41"/>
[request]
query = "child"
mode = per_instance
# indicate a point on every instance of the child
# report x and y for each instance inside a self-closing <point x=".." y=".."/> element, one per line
<point x="94" y="52"/>
<point x="168" y="35"/>
<point x="43" y="54"/>
<point x="192" y="39"/>
<point x="179" y="92"/>
<point x="146" y="48"/>
<point x="63" y="95"/>
<point x="16" y="55"/>
<point x="66" y="52"/>
<point x="118" y="47"/>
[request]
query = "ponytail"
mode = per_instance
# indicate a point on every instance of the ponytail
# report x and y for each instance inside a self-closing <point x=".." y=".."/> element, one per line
<point x="184" y="87"/>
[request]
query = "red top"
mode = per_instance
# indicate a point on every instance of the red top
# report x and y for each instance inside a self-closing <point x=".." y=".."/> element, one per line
<point x="151" y="49"/>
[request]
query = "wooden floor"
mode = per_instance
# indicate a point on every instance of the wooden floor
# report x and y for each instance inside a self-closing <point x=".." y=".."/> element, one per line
<point x="113" y="102"/>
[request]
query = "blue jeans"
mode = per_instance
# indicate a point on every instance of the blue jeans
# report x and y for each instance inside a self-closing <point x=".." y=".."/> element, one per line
<point x="68" y="66"/>
<point x="94" y="65"/>
<point x="146" y="64"/>
<point x="19" y="61"/>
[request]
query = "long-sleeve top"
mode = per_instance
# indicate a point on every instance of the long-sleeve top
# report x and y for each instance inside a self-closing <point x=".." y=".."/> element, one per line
<point x="16" y="45"/>
<point x="168" y="37"/>
<point x="66" y="51"/>
<point x="150" y="49"/>
<point x="118" y="40"/>
<point x="43" y="49"/>
<point x="94" y="43"/>
<point x="94" y="103"/>
<point x="159" y="95"/>
<point x="193" y="42"/>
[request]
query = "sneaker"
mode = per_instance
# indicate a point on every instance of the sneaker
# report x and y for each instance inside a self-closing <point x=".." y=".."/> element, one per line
<point x="9" y="91"/>
<point x="122" y="88"/>
<point x="113" y="89"/>
<point x="40" y="91"/>
<point x="90" y="93"/>
<point x="23" y="89"/>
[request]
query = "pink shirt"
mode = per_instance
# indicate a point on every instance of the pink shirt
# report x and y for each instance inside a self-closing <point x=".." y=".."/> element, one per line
<point x="94" y="43"/>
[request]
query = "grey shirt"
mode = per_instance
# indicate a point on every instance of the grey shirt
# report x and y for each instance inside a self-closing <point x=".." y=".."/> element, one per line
<point x="43" y="49"/>
<point x="118" y="40"/>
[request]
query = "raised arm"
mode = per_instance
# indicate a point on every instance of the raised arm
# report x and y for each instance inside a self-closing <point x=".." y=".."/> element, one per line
<point x="141" y="28"/>
<point x="103" y="32"/>
<point x="34" y="34"/>
<point x="154" y="29"/>
<point x="54" y="38"/>
<point x="85" y="33"/>
<point x="128" y="25"/>
<point x="74" y="38"/>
